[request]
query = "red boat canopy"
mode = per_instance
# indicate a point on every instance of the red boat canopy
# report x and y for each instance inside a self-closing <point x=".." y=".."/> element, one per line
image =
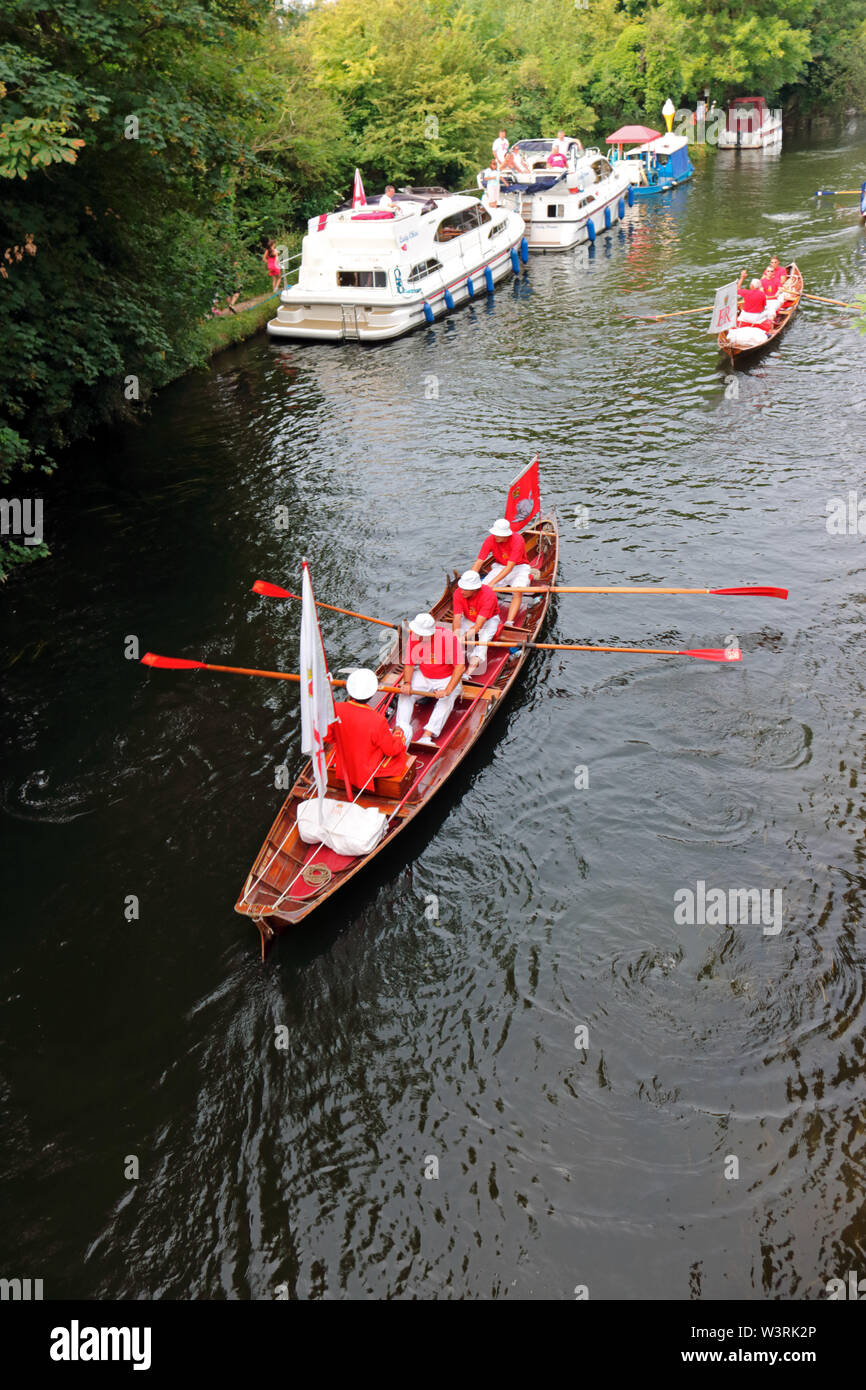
<point x="632" y="135"/>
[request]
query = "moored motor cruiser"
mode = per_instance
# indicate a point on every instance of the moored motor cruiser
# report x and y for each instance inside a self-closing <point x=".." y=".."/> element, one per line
<point x="564" y="195"/>
<point x="374" y="272"/>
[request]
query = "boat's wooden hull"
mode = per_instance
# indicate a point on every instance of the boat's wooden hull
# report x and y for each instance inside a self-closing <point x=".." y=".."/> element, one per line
<point x="290" y="879"/>
<point x="735" y="354"/>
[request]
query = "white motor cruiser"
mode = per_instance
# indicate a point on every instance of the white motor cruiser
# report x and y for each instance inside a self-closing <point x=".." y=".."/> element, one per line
<point x="751" y="125"/>
<point x="564" y="199"/>
<point x="370" y="272"/>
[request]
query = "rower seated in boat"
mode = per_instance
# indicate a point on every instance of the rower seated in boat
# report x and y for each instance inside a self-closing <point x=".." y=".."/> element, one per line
<point x="367" y="747"/>
<point x="754" y="302"/>
<point x="510" y="565"/>
<point x="476" y="615"/>
<point x="772" y="283"/>
<point x="433" y="665"/>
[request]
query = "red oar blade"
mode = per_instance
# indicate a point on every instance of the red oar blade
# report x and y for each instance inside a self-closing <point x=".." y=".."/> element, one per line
<point x="761" y="590"/>
<point x="172" y="663"/>
<point x="716" y="654"/>
<point x="262" y="586"/>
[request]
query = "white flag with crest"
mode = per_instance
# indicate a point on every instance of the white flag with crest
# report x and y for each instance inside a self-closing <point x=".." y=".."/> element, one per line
<point x="317" y="700"/>
<point x="724" y="308"/>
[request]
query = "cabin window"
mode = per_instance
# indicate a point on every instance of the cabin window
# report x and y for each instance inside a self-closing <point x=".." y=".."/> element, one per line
<point x="556" y="209"/>
<point x="497" y="227"/>
<point x="585" y="201"/>
<point x="459" y="223"/>
<point x="362" y="279"/>
<point x="422" y="270"/>
<point x="602" y="169"/>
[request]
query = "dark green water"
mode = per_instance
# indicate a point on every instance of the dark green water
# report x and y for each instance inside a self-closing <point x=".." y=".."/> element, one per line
<point x="410" y="1039"/>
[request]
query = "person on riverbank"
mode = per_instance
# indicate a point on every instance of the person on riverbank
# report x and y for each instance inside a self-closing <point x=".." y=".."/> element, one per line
<point x="272" y="261"/>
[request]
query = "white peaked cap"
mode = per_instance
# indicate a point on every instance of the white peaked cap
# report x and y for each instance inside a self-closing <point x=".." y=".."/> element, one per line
<point x="362" y="684"/>
<point x="423" y="625"/>
<point x="470" y="580"/>
<point x="502" y="527"/>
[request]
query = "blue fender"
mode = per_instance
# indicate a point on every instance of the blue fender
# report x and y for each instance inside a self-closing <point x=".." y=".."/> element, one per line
<point x="449" y="300"/>
<point x="607" y="217"/>
<point x="515" y="261"/>
<point x="630" y="195"/>
<point x="488" y="279"/>
<point x="524" y="250"/>
<point x="470" y="288"/>
<point x="590" y="230"/>
<point x="428" y="312"/>
<point x="620" y="208"/>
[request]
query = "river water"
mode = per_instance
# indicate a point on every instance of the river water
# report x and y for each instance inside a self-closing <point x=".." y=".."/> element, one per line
<point x="705" y="1136"/>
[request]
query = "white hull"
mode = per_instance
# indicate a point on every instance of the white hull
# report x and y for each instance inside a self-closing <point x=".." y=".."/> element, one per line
<point x="407" y="268"/>
<point x="336" y="320"/>
<point x="557" y="218"/>
<point x="769" y="134"/>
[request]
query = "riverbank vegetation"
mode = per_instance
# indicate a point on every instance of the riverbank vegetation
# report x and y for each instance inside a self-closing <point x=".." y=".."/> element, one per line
<point x="149" y="149"/>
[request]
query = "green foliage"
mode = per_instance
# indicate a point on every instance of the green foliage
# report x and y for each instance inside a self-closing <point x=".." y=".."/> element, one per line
<point x="148" y="148"/>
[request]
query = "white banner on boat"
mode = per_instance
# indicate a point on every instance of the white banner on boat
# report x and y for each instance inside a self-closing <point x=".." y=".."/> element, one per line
<point x="724" y="308"/>
<point x="317" y="699"/>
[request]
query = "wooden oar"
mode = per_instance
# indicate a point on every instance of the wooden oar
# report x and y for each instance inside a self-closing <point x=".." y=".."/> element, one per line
<point x="261" y="586"/>
<point x="702" y="653"/>
<point x="757" y="590"/>
<point x="657" y="318"/>
<point x="176" y="663"/>
<point x="819" y="300"/>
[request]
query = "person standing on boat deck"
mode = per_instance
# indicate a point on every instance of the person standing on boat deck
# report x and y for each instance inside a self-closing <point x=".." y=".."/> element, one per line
<point x="500" y="147"/>
<point x="366" y="739"/>
<point x="476" y="614"/>
<point x="387" y="198"/>
<point x="754" y="300"/>
<point x="434" y="665"/>
<point x="509" y="561"/>
<point x="488" y="179"/>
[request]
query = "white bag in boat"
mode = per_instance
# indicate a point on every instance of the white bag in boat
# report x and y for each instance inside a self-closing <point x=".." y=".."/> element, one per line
<point x="746" y="336"/>
<point x="344" y="827"/>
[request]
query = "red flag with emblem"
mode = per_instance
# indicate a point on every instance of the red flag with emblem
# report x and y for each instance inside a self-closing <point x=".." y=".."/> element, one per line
<point x="524" y="497"/>
<point x="359" y="198"/>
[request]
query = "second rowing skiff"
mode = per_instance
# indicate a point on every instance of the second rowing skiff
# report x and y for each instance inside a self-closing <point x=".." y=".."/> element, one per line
<point x="733" y="352"/>
<point x="291" y="878"/>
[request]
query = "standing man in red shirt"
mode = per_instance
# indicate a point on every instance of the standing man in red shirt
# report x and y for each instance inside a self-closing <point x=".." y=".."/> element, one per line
<point x="476" y="614"/>
<point x="509" y="562"/>
<point x="368" y="747"/>
<point x="434" y="665"/>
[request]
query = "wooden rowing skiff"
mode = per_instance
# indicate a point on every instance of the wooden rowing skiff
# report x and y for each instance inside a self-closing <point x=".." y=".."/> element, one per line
<point x="735" y="352"/>
<point x="291" y="879"/>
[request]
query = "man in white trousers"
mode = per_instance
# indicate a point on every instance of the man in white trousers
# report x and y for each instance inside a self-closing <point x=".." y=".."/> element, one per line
<point x="476" y="616"/>
<point x="434" y="664"/>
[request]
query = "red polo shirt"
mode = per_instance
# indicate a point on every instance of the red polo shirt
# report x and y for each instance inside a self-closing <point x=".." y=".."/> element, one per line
<point x="435" y="656"/>
<point x="754" y="301"/>
<point x="482" y="603"/>
<point x="504" y="550"/>
<point x="366" y="739"/>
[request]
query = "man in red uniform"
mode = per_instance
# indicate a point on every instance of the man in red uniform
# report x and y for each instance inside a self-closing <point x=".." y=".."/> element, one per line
<point x="368" y="747"/>
<point x="434" y="665"/>
<point x="476" y="614"/>
<point x="509" y="561"/>
<point x="754" y="302"/>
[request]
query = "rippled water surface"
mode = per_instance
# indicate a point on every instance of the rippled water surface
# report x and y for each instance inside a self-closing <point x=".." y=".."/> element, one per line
<point x="410" y="1040"/>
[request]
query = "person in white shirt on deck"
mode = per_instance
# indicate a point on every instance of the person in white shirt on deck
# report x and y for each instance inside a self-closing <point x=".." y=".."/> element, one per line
<point x="500" y="147"/>
<point x="387" y="198"/>
<point x="488" y="179"/>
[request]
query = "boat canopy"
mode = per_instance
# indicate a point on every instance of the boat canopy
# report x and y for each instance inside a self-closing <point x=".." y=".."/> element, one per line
<point x="632" y="135"/>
